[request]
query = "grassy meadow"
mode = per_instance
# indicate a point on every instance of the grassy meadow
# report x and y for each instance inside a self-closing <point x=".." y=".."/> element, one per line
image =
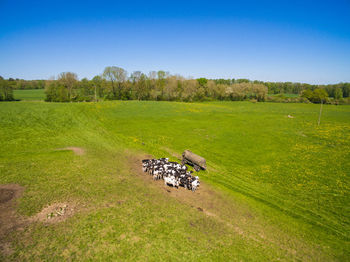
<point x="29" y="94"/>
<point x="276" y="188"/>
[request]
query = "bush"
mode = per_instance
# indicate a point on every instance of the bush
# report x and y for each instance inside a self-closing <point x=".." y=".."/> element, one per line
<point x="344" y="101"/>
<point x="56" y="92"/>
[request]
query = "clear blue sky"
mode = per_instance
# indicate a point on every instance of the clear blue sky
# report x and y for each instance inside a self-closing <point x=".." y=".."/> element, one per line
<point x="299" y="41"/>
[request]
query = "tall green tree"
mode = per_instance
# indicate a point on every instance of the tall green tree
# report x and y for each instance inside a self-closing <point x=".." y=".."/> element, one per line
<point x="97" y="84"/>
<point x="117" y="76"/>
<point x="319" y="96"/>
<point x="68" y="80"/>
<point x="338" y="93"/>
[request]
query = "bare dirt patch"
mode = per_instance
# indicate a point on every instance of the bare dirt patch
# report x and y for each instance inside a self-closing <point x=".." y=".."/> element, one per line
<point x="77" y="150"/>
<point x="55" y="213"/>
<point x="6" y="195"/>
<point x="9" y="219"/>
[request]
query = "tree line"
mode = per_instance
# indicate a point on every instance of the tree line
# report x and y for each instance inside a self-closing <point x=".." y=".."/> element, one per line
<point x="21" y="84"/>
<point x="116" y="84"/>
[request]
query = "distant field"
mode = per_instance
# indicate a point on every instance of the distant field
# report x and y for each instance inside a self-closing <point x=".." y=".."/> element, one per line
<point x="29" y="95"/>
<point x="280" y="185"/>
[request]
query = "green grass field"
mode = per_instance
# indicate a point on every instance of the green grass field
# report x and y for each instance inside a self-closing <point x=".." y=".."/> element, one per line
<point x="276" y="188"/>
<point x="29" y="95"/>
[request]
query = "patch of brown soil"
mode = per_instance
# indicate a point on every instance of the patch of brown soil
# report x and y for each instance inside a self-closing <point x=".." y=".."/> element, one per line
<point x="77" y="150"/>
<point x="6" y="195"/>
<point x="55" y="213"/>
<point x="9" y="219"/>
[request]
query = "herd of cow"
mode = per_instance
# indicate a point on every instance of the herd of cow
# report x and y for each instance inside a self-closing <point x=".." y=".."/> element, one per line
<point x="172" y="173"/>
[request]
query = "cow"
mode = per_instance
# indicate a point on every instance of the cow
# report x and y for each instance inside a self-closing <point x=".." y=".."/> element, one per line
<point x="171" y="180"/>
<point x="195" y="183"/>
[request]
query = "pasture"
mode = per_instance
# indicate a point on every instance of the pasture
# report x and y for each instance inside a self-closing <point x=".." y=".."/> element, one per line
<point x="276" y="188"/>
<point x="29" y="94"/>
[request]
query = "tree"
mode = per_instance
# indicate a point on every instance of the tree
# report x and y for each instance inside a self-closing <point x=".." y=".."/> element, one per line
<point x="189" y="90"/>
<point x="203" y="88"/>
<point x="346" y="89"/>
<point x="6" y="91"/>
<point x="97" y="83"/>
<point x="308" y="94"/>
<point x="161" y="82"/>
<point x="85" y="91"/>
<point x="56" y="92"/>
<point x="242" y="80"/>
<point x="116" y="75"/>
<point x="258" y="91"/>
<point x="135" y="76"/>
<point x="142" y="88"/>
<point x="202" y="82"/>
<point x="68" y="80"/>
<point x="338" y="93"/>
<point x="319" y="96"/>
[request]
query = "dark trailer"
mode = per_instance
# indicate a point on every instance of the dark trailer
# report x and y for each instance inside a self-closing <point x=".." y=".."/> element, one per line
<point x="194" y="160"/>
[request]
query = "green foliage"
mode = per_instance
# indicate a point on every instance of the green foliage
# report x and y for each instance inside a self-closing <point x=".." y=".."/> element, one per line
<point x="29" y="84"/>
<point x="157" y="86"/>
<point x="68" y="89"/>
<point x="6" y="92"/>
<point x="316" y="96"/>
<point x="308" y="94"/>
<point x="338" y="93"/>
<point x="56" y="92"/>
<point x="320" y="95"/>
<point x="202" y="82"/>
<point x="298" y="88"/>
<point x="115" y="84"/>
<point x="224" y="81"/>
<point x="21" y="84"/>
<point x="287" y="98"/>
<point x="244" y="91"/>
<point x="242" y="80"/>
<point x="117" y="76"/>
